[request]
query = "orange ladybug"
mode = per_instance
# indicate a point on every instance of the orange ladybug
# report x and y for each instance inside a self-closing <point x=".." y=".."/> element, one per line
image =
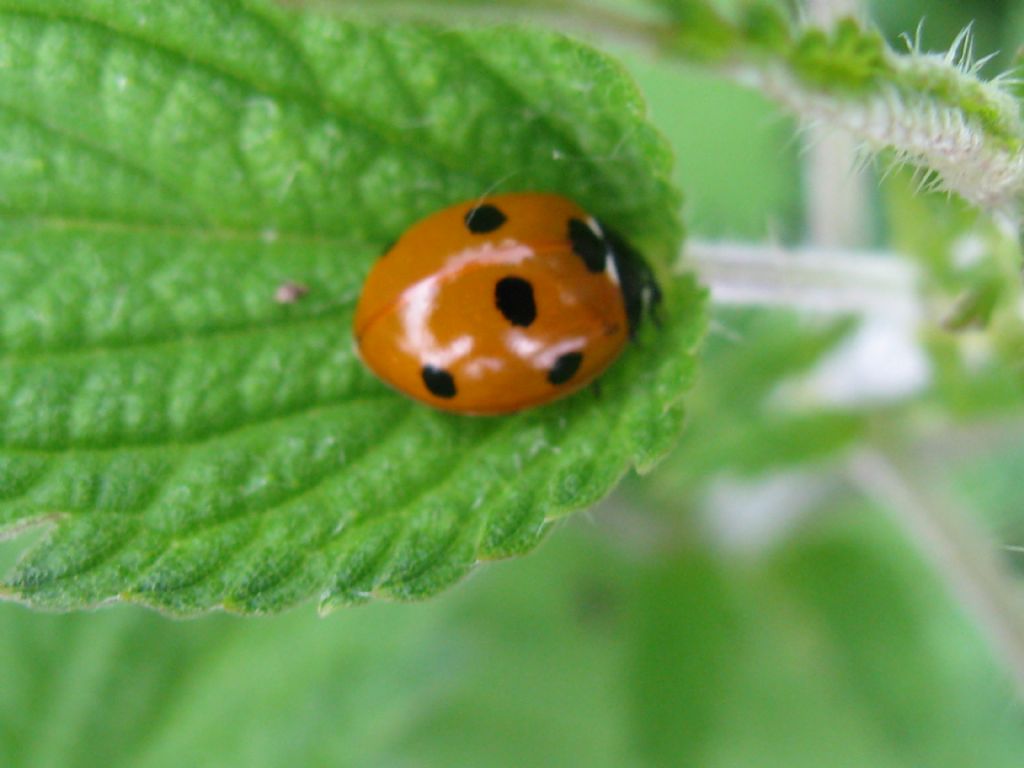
<point x="496" y="305"/>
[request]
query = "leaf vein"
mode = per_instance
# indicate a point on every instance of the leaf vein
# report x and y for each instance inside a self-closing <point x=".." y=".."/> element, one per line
<point x="214" y="232"/>
<point x="322" y="542"/>
<point x="433" y="488"/>
<point x="106" y="154"/>
<point x="499" y="80"/>
<point x="392" y="431"/>
<point x="341" y="402"/>
<point x="218" y="333"/>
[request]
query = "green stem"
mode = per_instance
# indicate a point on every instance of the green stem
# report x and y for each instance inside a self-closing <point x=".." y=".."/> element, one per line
<point x="962" y="554"/>
<point x="821" y="280"/>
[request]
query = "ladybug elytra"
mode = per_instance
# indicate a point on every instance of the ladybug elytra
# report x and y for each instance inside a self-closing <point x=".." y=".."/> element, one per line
<point x="500" y="304"/>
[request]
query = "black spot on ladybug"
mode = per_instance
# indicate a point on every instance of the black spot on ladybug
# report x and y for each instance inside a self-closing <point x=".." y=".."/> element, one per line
<point x="565" y="367"/>
<point x="438" y="381"/>
<point x="588" y="245"/>
<point x="514" y="298"/>
<point x="484" y="219"/>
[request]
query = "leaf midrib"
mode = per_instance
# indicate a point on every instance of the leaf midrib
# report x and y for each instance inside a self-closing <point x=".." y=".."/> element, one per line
<point x="106" y="154"/>
<point x="226" y="332"/>
<point x="184" y="446"/>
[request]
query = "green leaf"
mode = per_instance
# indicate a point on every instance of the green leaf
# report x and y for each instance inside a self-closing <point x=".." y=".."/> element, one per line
<point x="197" y="445"/>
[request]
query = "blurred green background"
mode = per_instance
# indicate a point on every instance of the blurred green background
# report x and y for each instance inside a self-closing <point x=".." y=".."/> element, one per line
<point x="638" y="635"/>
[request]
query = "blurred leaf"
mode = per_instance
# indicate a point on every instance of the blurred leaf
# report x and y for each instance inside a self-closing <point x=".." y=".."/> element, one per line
<point x="973" y="289"/>
<point x="842" y="645"/>
<point x="518" y="667"/>
<point x="700" y="28"/>
<point x="128" y="688"/>
<point x="724" y="137"/>
<point x="166" y="167"/>
<point x="738" y="424"/>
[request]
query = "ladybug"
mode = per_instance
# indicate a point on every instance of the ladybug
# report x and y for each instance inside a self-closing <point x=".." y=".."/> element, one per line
<point x="502" y="303"/>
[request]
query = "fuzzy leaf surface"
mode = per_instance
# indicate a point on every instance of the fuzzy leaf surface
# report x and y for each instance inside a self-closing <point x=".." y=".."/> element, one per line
<point x="194" y="444"/>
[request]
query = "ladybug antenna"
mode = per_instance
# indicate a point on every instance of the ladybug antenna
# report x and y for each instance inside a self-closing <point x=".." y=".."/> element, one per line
<point x="493" y="187"/>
